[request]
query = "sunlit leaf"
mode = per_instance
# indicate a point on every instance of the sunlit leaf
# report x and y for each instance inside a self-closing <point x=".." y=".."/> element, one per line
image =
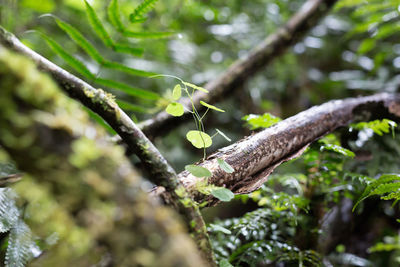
<point x="199" y="139"/>
<point x="198" y="171"/>
<point x="366" y="46"/>
<point x="223" y="194"/>
<point x="338" y="149"/>
<point x="195" y="87"/>
<point x="175" y="109"/>
<point x="177" y="92"/>
<point x="260" y="121"/>
<point x="378" y="126"/>
<point x="211" y="106"/>
<point x="225" y="166"/>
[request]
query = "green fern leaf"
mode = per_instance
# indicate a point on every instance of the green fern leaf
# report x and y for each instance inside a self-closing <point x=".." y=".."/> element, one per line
<point x="128" y="49"/>
<point x="372" y="188"/>
<point x="114" y="16"/>
<point x="100" y="121"/>
<point x="20" y="246"/>
<point x="97" y="26"/>
<point x="139" y="11"/>
<point x="126" y="69"/>
<point x="80" y="40"/>
<point x="133" y="91"/>
<point x="101" y="32"/>
<point x="386" y="188"/>
<point x="69" y="59"/>
<point x="9" y="213"/>
<point x="131" y="107"/>
<point x="144" y="35"/>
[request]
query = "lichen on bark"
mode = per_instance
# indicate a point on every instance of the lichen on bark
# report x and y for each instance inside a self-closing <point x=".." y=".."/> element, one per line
<point x="87" y="207"/>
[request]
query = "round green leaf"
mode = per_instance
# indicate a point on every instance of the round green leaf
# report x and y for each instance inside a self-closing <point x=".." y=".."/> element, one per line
<point x="175" y="109"/>
<point x="198" y="171"/>
<point x="199" y="139"/>
<point x="225" y="166"/>
<point x="177" y="92"/>
<point x="223" y="194"/>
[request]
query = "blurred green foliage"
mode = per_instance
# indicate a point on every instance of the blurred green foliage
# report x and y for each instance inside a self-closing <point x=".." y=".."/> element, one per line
<point x="354" y="50"/>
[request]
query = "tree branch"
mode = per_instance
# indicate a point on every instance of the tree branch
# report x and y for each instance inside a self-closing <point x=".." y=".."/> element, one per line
<point x="161" y="173"/>
<point x="255" y="157"/>
<point x="241" y="70"/>
<point x="110" y="218"/>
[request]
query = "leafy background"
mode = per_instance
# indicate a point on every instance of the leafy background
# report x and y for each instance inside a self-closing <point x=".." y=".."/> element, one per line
<point x="352" y="51"/>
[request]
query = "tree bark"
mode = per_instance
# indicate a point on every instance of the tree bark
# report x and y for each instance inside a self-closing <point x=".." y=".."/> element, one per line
<point x="255" y="157"/>
<point x="243" y="69"/>
<point x="161" y="173"/>
<point x="77" y="184"/>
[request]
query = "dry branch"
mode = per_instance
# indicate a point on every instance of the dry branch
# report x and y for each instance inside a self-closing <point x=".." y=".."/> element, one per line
<point x="255" y="157"/>
<point x="243" y="69"/>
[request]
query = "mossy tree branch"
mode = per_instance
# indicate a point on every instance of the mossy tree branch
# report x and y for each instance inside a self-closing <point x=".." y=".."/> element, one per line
<point x="161" y="173"/>
<point x="83" y="188"/>
<point x="255" y="157"/>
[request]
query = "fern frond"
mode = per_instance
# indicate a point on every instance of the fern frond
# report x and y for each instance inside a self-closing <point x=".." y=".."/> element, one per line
<point x="9" y="213"/>
<point x="139" y="11"/>
<point x="131" y="107"/>
<point x="114" y="16"/>
<point x="68" y="58"/>
<point x="20" y="246"/>
<point x="378" y="126"/>
<point x="384" y="184"/>
<point x="80" y="40"/>
<point x="121" y="48"/>
<point x="97" y="26"/>
<point x="133" y="91"/>
<point x="126" y="69"/>
<point x="143" y="35"/>
<point x="102" y="33"/>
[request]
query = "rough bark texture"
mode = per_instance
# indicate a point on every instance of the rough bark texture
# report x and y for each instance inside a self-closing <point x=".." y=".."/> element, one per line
<point x="161" y="173"/>
<point x="240" y="71"/>
<point x="255" y="157"/>
<point x="78" y="185"/>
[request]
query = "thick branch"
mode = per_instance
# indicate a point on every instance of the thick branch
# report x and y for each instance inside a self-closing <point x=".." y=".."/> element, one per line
<point x="161" y="173"/>
<point x="241" y="70"/>
<point x="255" y="157"/>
